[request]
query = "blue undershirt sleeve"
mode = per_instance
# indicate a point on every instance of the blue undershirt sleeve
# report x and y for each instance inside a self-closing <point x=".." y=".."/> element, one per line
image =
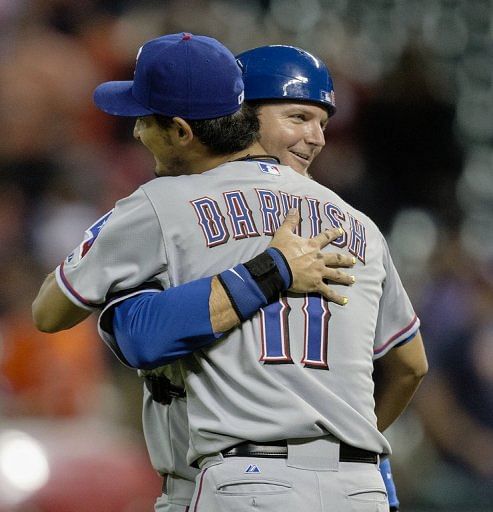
<point x="147" y="329"/>
<point x="152" y="329"/>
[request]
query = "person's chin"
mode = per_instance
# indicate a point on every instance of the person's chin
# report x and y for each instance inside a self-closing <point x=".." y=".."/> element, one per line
<point x="297" y="165"/>
<point x="160" y="172"/>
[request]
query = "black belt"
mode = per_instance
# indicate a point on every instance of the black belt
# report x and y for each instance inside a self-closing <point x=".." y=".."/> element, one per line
<point x="279" y="450"/>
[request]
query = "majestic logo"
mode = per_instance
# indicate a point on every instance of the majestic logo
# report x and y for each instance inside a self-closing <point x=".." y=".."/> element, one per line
<point x="252" y="468"/>
<point x="241" y="97"/>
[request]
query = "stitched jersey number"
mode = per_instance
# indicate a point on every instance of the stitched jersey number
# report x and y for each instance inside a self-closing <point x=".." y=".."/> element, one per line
<point x="275" y="331"/>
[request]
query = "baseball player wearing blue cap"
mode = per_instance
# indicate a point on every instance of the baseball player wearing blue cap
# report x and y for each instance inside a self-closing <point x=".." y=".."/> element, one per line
<point x="243" y="310"/>
<point x="50" y="310"/>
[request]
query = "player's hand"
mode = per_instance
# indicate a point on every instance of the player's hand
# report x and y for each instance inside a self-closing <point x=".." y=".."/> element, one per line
<point x="312" y="268"/>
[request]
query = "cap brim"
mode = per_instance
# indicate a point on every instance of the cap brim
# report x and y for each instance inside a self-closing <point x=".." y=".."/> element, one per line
<point x="116" y="98"/>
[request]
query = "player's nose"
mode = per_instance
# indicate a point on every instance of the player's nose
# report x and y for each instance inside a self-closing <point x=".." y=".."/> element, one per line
<point x="315" y="135"/>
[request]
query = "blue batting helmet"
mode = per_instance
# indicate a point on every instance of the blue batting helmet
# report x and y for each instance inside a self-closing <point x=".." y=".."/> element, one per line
<point x="286" y="72"/>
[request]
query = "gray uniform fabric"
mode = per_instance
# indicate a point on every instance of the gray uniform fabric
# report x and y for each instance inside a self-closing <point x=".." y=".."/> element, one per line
<point x="298" y="369"/>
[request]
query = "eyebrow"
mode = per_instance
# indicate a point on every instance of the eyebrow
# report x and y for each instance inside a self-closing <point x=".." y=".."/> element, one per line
<point x="293" y="107"/>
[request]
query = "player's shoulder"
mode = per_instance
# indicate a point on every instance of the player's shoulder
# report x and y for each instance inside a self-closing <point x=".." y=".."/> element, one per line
<point x="135" y="202"/>
<point x="166" y="187"/>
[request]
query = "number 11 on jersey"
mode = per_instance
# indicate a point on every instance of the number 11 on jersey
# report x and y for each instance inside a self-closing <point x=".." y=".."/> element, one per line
<point x="275" y="333"/>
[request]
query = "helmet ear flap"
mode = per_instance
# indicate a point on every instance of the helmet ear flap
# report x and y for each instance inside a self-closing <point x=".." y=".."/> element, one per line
<point x="286" y="72"/>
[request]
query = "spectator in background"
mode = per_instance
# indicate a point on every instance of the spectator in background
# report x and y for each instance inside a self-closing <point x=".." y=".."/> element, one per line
<point x="409" y="145"/>
<point x="455" y="404"/>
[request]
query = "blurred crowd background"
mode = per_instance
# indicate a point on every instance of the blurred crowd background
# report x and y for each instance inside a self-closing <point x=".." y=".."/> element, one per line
<point x="411" y="145"/>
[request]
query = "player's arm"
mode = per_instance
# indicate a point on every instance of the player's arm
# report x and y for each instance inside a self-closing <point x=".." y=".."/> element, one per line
<point x="53" y="311"/>
<point x="106" y="258"/>
<point x="152" y="329"/>
<point x="397" y="377"/>
<point x="399" y="356"/>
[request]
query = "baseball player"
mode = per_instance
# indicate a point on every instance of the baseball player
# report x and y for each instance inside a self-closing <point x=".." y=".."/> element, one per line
<point x="208" y="206"/>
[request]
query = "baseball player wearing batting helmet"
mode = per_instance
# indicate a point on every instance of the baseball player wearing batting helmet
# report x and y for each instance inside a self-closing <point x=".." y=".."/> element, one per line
<point x="288" y="84"/>
<point x="298" y="452"/>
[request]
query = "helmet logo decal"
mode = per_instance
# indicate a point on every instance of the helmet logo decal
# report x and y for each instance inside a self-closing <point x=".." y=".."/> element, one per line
<point x="330" y="97"/>
<point x="294" y="81"/>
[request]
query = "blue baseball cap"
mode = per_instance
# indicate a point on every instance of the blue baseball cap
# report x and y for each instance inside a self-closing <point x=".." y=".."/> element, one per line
<point x="184" y="75"/>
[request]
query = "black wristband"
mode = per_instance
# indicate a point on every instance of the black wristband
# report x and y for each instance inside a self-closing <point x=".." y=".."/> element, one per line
<point x="256" y="283"/>
<point x="266" y="274"/>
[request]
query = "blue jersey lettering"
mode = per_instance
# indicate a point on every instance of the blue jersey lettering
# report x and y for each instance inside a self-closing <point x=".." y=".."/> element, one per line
<point x="240" y="215"/>
<point x="211" y="221"/>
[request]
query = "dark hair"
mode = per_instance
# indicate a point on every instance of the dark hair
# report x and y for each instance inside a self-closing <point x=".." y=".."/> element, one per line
<point x="223" y="135"/>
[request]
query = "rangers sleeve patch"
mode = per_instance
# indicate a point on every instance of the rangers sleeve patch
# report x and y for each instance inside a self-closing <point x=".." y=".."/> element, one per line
<point x="90" y="235"/>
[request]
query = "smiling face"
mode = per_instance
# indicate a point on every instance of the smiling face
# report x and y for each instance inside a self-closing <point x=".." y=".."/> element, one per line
<point x="169" y="160"/>
<point x="293" y="132"/>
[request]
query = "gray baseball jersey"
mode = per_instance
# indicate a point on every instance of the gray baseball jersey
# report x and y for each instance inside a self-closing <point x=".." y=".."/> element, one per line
<point x="299" y="368"/>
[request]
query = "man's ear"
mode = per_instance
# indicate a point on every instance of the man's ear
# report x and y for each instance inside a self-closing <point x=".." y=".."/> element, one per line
<point x="181" y="132"/>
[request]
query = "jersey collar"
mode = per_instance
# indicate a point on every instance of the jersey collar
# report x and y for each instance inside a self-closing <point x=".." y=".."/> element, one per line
<point x="262" y="158"/>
